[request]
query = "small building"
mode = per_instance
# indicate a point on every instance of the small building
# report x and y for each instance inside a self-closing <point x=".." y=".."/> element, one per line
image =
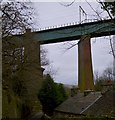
<point x="93" y="104"/>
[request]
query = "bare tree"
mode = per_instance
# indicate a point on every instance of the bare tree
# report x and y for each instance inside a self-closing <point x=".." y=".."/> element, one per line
<point x="108" y="7"/>
<point x="108" y="73"/>
<point x="107" y="77"/>
<point x="44" y="60"/>
<point x="16" y="17"/>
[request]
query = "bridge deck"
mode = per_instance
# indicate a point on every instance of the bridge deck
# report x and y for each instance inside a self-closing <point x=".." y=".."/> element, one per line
<point x="74" y="32"/>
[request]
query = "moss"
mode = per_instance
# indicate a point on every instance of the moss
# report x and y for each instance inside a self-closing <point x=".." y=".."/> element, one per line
<point x="9" y="108"/>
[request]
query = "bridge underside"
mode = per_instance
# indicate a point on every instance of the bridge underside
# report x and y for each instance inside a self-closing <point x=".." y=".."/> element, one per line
<point x="73" y="32"/>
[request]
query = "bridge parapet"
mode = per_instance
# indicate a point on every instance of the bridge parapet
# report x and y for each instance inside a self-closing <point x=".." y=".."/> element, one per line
<point x="72" y="32"/>
<point x="66" y="24"/>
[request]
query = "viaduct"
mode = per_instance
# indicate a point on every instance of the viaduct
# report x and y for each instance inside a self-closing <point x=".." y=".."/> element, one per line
<point x="31" y="41"/>
<point x="84" y="32"/>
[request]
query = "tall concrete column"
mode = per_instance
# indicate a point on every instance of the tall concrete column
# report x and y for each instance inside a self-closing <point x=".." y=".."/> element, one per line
<point x="85" y="71"/>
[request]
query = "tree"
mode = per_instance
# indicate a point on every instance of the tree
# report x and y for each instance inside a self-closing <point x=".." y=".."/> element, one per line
<point x="108" y="74"/>
<point x="51" y="95"/>
<point x="61" y="93"/>
<point x="104" y="78"/>
<point x="109" y="7"/>
<point x="16" y="18"/>
<point x="44" y="59"/>
<point x="98" y="85"/>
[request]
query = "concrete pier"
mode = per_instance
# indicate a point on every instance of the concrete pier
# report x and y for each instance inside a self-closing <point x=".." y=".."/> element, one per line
<point x="85" y="70"/>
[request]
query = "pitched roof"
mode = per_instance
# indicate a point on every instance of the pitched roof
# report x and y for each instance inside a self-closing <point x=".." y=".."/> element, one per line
<point x="78" y="103"/>
<point x="104" y="106"/>
<point x="94" y="103"/>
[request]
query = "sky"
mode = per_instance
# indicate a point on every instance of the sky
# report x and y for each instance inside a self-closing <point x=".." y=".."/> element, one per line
<point x="66" y="63"/>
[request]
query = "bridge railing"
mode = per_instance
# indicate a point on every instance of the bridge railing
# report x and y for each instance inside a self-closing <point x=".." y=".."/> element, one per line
<point x="66" y="24"/>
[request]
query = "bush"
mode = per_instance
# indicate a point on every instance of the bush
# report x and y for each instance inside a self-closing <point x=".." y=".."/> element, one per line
<point x="25" y="111"/>
<point x="51" y="95"/>
<point x="18" y="87"/>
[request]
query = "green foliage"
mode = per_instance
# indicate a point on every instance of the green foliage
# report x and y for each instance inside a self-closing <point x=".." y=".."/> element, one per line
<point x="61" y="93"/>
<point x="18" y="87"/>
<point x="51" y="95"/>
<point x="98" y="85"/>
<point x="25" y="111"/>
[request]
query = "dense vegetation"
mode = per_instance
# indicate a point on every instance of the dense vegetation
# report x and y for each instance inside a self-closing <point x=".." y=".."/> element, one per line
<point x="51" y="95"/>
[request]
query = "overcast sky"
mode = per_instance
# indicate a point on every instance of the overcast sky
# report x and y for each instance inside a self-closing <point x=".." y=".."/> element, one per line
<point x="66" y="64"/>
